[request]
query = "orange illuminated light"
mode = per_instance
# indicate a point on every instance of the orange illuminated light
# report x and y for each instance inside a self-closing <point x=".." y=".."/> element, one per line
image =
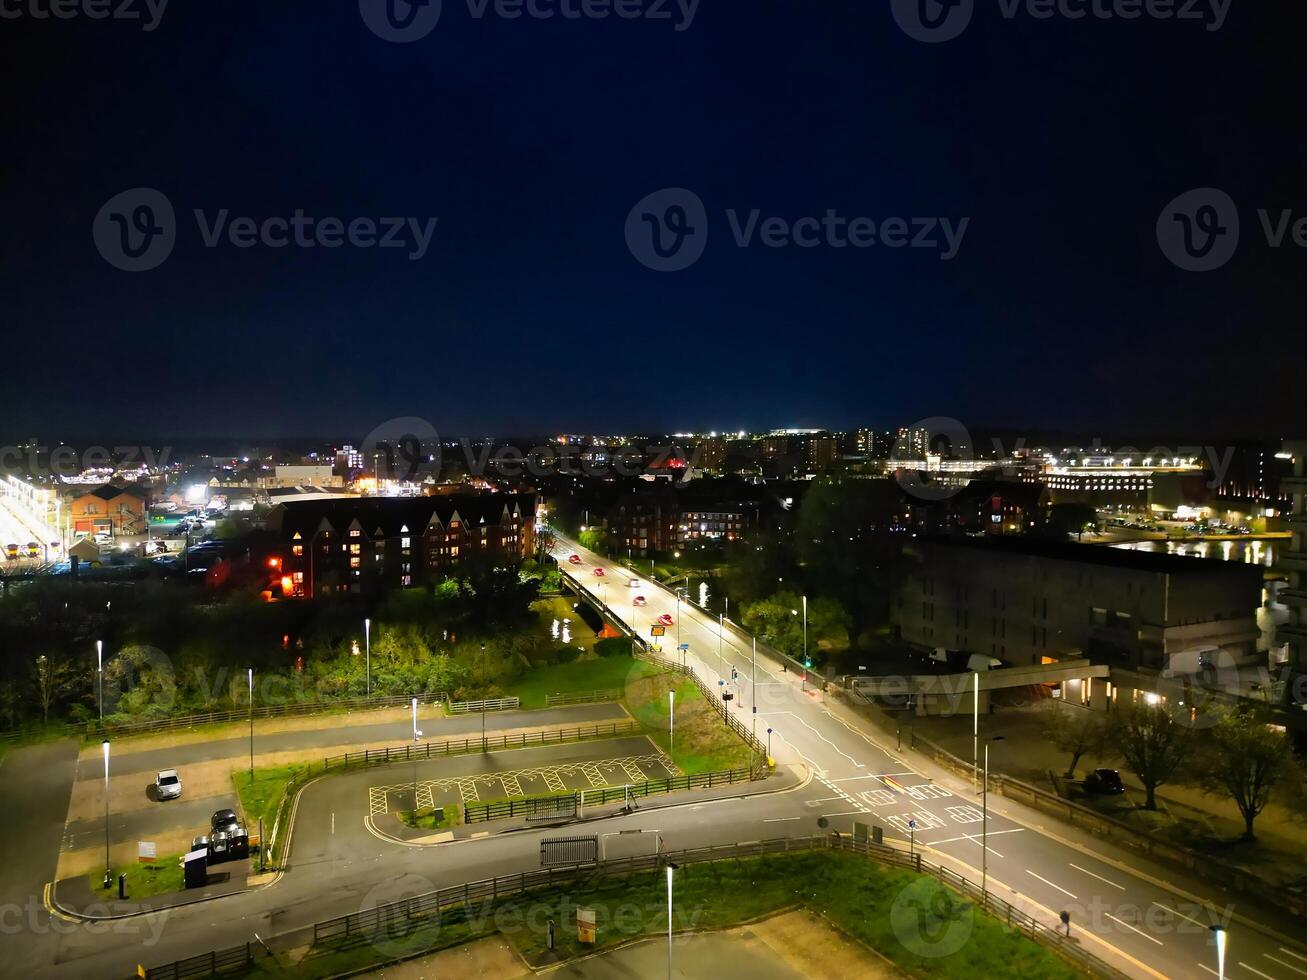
<point x="286" y="585"/>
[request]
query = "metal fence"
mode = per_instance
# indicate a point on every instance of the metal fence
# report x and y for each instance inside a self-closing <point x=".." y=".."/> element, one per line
<point x="409" y="913"/>
<point x="583" y="697"/>
<point x="712" y="697"/>
<point x="568" y="804"/>
<point x="488" y="704"/>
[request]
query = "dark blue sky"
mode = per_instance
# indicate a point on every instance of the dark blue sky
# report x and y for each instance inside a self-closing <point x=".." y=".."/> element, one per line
<point x="530" y="141"/>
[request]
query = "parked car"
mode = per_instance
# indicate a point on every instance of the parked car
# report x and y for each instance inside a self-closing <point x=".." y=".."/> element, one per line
<point x="168" y="784"/>
<point x="1104" y="781"/>
<point x="224" y="821"/>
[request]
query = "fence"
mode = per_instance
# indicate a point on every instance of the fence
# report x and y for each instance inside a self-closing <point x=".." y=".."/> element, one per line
<point x="489" y="704"/>
<point x="569" y="804"/>
<point x="217" y="717"/>
<point x="407" y="913"/>
<point x="583" y="697"/>
<point x="712" y="697"/>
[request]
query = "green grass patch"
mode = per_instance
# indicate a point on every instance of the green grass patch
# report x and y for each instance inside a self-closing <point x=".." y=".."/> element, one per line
<point x="159" y="877"/>
<point x="579" y="676"/>
<point x="702" y="742"/>
<point x="432" y="818"/>
<point x="262" y="797"/>
<point x="923" y="928"/>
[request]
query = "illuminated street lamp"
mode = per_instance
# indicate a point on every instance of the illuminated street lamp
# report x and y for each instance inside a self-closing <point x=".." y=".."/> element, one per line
<point x="367" y="642"/>
<point x="99" y="669"/>
<point x="984" y="821"/>
<point x="108" y="871"/>
<point x="1218" y="937"/>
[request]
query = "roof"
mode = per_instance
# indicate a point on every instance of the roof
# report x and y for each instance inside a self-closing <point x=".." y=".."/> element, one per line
<point x="1097" y="554"/>
<point x="393" y="516"/>
<point x="109" y="492"/>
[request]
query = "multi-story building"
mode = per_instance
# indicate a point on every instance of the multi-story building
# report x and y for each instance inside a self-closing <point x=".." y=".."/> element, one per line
<point x="108" y="510"/>
<point x="1293" y="634"/>
<point x="822" y="451"/>
<point x="1029" y="601"/>
<point x="370" y="544"/>
<point x="712" y="454"/>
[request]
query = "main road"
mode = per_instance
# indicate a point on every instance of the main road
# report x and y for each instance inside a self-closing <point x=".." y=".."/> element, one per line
<point x="1161" y="931"/>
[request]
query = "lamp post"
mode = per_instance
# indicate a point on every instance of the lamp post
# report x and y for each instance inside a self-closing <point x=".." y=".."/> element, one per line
<point x="984" y="823"/>
<point x="671" y="722"/>
<point x="975" y="727"/>
<point x="769" y="743"/>
<point x="753" y="684"/>
<point x="99" y="669"/>
<point x="670" y="868"/>
<point x="1218" y="937"/>
<point x="367" y="646"/>
<point x="108" y="871"/>
<point x="417" y="735"/>
<point x="721" y="663"/>
<point x="251" y="673"/>
<point x="483" y="697"/>
<point x="805" y="634"/>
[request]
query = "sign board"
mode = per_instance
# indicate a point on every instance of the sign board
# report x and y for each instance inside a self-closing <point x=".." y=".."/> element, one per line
<point x="585" y="926"/>
<point x="861" y="832"/>
<point x="657" y="630"/>
<point x="684" y="646"/>
<point x="146" y="852"/>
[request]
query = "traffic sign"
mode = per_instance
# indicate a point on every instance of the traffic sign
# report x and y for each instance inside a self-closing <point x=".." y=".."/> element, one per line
<point x="657" y="630"/>
<point x="684" y="646"/>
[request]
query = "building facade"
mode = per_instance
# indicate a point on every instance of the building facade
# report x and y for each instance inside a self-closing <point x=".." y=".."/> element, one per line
<point x="373" y="544"/>
<point x="1028" y="601"/>
<point x="1293" y="634"/>
<point x="108" y="510"/>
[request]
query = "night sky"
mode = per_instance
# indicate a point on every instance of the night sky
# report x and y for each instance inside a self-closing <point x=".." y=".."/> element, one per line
<point x="532" y="140"/>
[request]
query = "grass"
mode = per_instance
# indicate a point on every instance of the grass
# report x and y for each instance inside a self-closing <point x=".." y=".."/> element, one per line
<point x="579" y="677"/>
<point x="702" y="742"/>
<point x="926" y="930"/>
<point x="261" y="798"/>
<point x="160" y="877"/>
<point x="432" y="819"/>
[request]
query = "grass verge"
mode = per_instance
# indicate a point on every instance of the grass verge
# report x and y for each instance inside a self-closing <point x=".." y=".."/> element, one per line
<point x="429" y="818"/>
<point x="262" y="797"/>
<point x="159" y="877"/>
<point x="925" y="929"/>
<point x="579" y="677"/>
<point x="702" y="742"/>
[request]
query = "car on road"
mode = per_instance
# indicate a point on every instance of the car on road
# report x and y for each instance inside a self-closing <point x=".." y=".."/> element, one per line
<point x="223" y="820"/>
<point x="1106" y="782"/>
<point x="599" y="572"/>
<point x="168" y="784"/>
<point x="574" y="559"/>
<point x="638" y="601"/>
<point x="666" y="619"/>
<point x="633" y="583"/>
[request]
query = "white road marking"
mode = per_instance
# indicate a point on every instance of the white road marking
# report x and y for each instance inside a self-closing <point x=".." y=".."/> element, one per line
<point x="954" y="840"/>
<point x="1133" y="929"/>
<point x="1049" y="883"/>
<point x="849" y="779"/>
<point x="1251" y="969"/>
<point x="1099" y="877"/>
<point x="1282" y="963"/>
<point x="1209" y="969"/>
<point x="1180" y="914"/>
<point x="333" y="823"/>
<point x="1296" y="956"/>
<point x="781" y="819"/>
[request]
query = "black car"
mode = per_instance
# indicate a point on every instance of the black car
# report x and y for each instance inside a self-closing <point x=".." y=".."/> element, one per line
<point x="224" y="820"/>
<point x="1105" y="781"/>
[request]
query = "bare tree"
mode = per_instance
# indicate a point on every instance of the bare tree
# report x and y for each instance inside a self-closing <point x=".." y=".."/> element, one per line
<point x="53" y="677"/>
<point x="1246" y="760"/>
<point x="1153" y="743"/>
<point x="1077" y="731"/>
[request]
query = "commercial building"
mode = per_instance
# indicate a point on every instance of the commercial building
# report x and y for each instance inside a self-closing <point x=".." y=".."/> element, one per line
<point x="372" y="544"/>
<point x="1028" y="601"/>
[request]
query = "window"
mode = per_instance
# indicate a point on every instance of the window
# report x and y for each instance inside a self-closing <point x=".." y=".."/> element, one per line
<point x="297" y="550"/>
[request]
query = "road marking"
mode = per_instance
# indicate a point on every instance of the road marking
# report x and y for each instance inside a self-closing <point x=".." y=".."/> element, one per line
<point x="1296" y="956"/>
<point x="1133" y="929"/>
<point x="954" y="840"/>
<point x="849" y="779"/>
<point x="1049" y="883"/>
<point x="1284" y="964"/>
<point x="333" y="823"/>
<point x="1252" y="969"/>
<point x="1209" y="969"/>
<point x="1099" y="877"/>
<point x="1180" y="914"/>
<point x="781" y="819"/>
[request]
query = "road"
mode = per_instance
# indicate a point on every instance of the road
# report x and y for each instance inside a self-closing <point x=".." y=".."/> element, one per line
<point x="336" y="867"/>
<point x="1154" y="926"/>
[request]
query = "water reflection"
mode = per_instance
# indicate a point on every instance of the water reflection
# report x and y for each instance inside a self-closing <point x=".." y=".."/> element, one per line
<point x="1252" y="552"/>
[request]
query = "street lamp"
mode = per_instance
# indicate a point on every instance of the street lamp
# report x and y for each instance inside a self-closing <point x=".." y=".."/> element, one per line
<point x="367" y="643"/>
<point x="721" y="663"/>
<point x="483" y="697"/>
<point x="251" y="673"/>
<point x="984" y="822"/>
<point x="417" y="735"/>
<point x="108" y="872"/>
<point x="99" y="669"/>
<point x="1218" y="937"/>
<point x="670" y="868"/>
<point x="769" y="744"/>
<point x="671" y="722"/>
<point x="975" y="727"/>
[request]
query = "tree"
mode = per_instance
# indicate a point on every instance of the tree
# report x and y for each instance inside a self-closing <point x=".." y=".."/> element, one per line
<point x="778" y="620"/>
<point x="53" y="677"/>
<point x="1074" y="730"/>
<point x="1153" y="744"/>
<point x="1071" y="517"/>
<point x="1245" y="760"/>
